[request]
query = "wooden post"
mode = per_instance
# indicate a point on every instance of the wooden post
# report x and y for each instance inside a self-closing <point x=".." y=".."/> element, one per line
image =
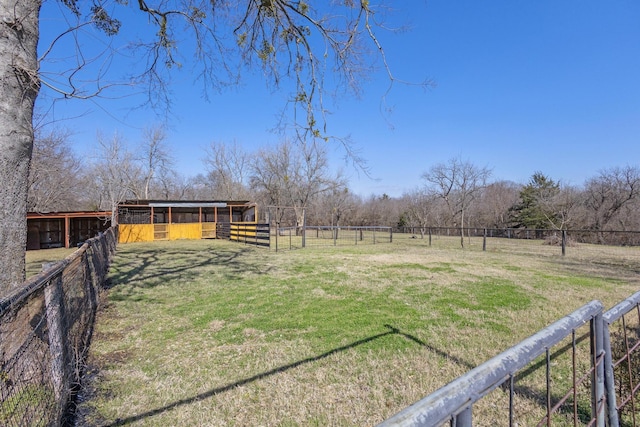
<point x="564" y="242"/>
<point x="484" y="241"/>
<point x="277" y="227"/>
<point x="54" y="312"/>
<point x="304" y="227"/>
<point x="67" y="231"/>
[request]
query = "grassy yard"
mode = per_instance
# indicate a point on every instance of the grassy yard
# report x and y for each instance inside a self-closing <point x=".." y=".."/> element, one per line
<point x="214" y="333"/>
<point x="35" y="259"/>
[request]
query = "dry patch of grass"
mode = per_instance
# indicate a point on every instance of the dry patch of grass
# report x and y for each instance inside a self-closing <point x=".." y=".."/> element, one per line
<point x="214" y="333"/>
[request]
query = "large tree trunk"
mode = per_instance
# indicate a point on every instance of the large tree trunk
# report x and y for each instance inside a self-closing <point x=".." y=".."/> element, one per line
<point x="19" y="85"/>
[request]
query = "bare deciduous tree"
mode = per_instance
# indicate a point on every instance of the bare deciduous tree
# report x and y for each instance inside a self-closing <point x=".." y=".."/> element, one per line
<point x="155" y="156"/>
<point x="336" y="207"/>
<point x="458" y="183"/>
<point x="379" y="210"/>
<point x="420" y="209"/>
<point x="54" y="178"/>
<point x="609" y="192"/>
<point x="228" y="166"/>
<point x="493" y="204"/>
<point x="559" y="208"/>
<point x="293" y="174"/>
<point x="169" y="185"/>
<point x="115" y="173"/>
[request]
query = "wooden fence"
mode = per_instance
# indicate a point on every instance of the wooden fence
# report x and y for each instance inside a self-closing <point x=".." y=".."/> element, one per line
<point x="254" y="234"/>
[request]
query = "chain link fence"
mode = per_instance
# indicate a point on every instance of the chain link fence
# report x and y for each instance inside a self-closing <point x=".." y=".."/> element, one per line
<point x="45" y="328"/>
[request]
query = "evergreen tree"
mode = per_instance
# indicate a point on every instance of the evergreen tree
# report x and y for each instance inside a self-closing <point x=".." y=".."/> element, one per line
<point x="533" y="209"/>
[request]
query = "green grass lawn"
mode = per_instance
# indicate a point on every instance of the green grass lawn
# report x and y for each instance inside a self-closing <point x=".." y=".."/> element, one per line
<point x="36" y="259"/>
<point x="214" y="333"/>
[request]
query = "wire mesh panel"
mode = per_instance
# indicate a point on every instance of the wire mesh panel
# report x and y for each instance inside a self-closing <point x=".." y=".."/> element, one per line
<point x="555" y="377"/>
<point x="318" y="236"/>
<point x="45" y="329"/>
<point x="287" y="225"/>
<point x="626" y="360"/>
<point x="26" y="383"/>
<point x="134" y="215"/>
<point x="623" y="336"/>
<point x="500" y="237"/>
<point x="327" y="236"/>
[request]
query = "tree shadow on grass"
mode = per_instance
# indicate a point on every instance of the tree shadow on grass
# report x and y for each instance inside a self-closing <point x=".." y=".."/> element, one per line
<point x="213" y="392"/>
<point x="149" y="269"/>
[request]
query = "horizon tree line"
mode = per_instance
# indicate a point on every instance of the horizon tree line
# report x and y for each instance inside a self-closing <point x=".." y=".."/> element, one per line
<point x="294" y="173"/>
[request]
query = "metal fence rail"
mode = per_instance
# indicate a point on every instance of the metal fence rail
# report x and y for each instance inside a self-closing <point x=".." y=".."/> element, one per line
<point x="609" y="370"/>
<point x="45" y="328"/>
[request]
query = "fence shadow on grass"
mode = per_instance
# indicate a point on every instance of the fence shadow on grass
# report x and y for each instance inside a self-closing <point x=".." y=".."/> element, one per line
<point x="391" y="331"/>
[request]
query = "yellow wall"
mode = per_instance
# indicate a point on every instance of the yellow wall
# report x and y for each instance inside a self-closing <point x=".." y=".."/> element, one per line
<point x="130" y="233"/>
<point x="185" y="231"/>
<point x="209" y="230"/>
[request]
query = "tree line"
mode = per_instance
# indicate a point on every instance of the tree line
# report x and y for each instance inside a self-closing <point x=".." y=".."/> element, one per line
<point x="297" y="174"/>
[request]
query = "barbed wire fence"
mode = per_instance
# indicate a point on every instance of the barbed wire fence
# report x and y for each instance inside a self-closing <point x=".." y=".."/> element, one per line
<point x="45" y="329"/>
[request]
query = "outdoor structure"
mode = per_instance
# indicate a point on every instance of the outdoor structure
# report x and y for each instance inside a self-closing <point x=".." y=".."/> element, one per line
<point x="151" y="220"/>
<point x="64" y="229"/>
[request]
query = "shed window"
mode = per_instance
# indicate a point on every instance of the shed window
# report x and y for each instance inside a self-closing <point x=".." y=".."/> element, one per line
<point x="134" y="216"/>
<point x="185" y="215"/>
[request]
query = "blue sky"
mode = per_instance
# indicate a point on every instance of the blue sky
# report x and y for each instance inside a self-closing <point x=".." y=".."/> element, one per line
<point x="550" y="86"/>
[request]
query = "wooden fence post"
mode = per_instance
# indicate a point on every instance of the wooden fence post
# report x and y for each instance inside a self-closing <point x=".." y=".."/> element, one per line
<point x="484" y="241"/>
<point x="304" y="227"/>
<point x="54" y="306"/>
